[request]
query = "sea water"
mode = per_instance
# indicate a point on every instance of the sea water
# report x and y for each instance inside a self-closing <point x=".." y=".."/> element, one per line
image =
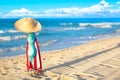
<point x="57" y="33"/>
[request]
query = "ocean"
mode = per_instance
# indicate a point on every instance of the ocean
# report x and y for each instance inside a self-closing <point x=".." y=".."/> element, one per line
<point x="57" y="33"/>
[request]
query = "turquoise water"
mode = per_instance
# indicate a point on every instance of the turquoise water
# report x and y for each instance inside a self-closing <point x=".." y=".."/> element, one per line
<point x="57" y="33"/>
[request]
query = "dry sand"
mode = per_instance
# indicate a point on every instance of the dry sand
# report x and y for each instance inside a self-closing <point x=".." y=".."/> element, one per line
<point x="96" y="60"/>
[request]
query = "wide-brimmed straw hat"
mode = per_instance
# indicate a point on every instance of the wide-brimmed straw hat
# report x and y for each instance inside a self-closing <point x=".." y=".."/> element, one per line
<point x="27" y="25"/>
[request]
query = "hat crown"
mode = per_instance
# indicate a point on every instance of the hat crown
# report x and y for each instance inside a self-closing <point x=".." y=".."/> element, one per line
<point x="27" y="25"/>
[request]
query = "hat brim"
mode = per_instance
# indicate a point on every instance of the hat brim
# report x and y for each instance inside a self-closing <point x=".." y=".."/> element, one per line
<point x="24" y="27"/>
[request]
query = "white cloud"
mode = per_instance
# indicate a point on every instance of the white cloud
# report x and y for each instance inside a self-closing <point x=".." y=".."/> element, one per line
<point x="102" y="9"/>
<point x="117" y="2"/>
<point x="104" y="3"/>
<point x="75" y="11"/>
<point x="20" y="13"/>
<point x="22" y="10"/>
<point x="62" y="11"/>
<point x="115" y="11"/>
<point x="0" y="13"/>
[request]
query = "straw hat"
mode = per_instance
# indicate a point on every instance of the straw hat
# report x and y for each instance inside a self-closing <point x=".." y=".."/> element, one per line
<point x="27" y="25"/>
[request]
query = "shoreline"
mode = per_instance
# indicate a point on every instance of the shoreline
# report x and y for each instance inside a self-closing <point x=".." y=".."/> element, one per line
<point x="102" y="38"/>
<point x="97" y="59"/>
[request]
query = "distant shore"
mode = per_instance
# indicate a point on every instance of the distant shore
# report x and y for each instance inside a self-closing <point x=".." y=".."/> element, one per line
<point x="99" y="59"/>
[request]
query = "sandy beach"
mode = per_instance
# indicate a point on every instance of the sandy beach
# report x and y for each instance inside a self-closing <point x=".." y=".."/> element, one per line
<point x="95" y="60"/>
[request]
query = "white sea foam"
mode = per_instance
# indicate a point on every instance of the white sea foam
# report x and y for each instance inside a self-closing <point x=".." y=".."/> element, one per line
<point x="17" y="48"/>
<point x="84" y="39"/>
<point x="1" y="31"/>
<point x="12" y="31"/>
<point x="99" y="25"/>
<point x="73" y="28"/>
<point x="91" y="37"/>
<point x="19" y="37"/>
<point x="8" y="38"/>
<point x="79" y="42"/>
<point x="1" y="50"/>
<point x="64" y="24"/>
<point x="48" y="43"/>
<point x="8" y="31"/>
<point x="23" y="46"/>
<point x="70" y="23"/>
<point x="117" y="31"/>
<point x="12" y="49"/>
<point x="5" y="38"/>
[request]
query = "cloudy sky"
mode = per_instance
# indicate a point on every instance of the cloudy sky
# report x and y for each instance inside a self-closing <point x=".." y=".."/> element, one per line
<point x="60" y="8"/>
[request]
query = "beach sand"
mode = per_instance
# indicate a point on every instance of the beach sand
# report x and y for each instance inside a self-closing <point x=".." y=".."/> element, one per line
<point x="95" y="60"/>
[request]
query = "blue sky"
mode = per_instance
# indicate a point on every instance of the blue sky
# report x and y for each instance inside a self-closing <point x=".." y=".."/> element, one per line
<point x="59" y="8"/>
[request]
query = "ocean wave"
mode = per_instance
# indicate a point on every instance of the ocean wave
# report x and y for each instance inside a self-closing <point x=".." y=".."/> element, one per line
<point x="91" y="37"/>
<point x="99" y="25"/>
<point x="63" y="29"/>
<point x="48" y="43"/>
<point x="84" y="39"/>
<point x="117" y="31"/>
<point x="1" y="31"/>
<point x="70" y="29"/>
<point x="5" y="38"/>
<point x="12" y="49"/>
<point x="1" y="51"/>
<point x="79" y="42"/>
<point x="17" y="48"/>
<point x="23" y="47"/>
<point x="8" y="38"/>
<point x="8" y="31"/>
<point x="64" y="24"/>
<point x="12" y="31"/>
<point x="19" y="37"/>
<point x="74" y="29"/>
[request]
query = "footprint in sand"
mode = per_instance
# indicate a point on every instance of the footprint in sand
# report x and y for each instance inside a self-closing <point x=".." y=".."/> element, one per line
<point x="4" y="73"/>
<point x="117" y="78"/>
<point x="17" y="68"/>
<point x="44" y="59"/>
<point x="6" y="68"/>
<point x="26" y="79"/>
<point x="15" y="63"/>
<point x="50" y="74"/>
